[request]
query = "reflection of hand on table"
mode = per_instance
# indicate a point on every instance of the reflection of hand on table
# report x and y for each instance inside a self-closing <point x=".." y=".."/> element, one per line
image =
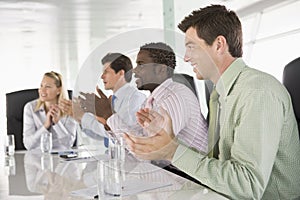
<point x="54" y="181"/>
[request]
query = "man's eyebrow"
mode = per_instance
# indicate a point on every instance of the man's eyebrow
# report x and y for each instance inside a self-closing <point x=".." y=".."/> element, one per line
<point x="188" y="43"/>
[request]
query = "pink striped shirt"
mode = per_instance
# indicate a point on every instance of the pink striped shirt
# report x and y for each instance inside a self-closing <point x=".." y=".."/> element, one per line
<point x="189" y="125"/>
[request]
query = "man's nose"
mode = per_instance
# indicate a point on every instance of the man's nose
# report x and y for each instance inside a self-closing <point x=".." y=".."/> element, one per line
<point x="186" y="57"/>
<point x="135" y="70"/>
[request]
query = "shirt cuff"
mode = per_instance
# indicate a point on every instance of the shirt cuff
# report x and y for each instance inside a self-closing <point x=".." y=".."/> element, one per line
<point x="86" y="120"/>
<point x="186" y="159"/>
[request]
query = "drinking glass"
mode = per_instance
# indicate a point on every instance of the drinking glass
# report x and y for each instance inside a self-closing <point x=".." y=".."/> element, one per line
<point x="10" y="145"/>
<point x="46" y="142"/>
<point x="109" y="178"/>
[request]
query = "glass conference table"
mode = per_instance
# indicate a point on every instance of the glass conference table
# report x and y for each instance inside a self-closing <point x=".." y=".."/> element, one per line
<point x="33" y="175"/>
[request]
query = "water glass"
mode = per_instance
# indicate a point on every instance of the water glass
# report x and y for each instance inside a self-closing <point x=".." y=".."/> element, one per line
<point x="46" y="142"/>
<point x="10" y="145"/>
<point x="109" y="178"/>
<point x="117" y="149"/>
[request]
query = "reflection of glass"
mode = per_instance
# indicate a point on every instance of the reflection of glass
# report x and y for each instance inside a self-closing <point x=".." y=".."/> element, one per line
<point x="47" y="175"/>
<point x="10" y="165"/>
<point x="46" y="142"/>
<point x="10" y="145"/>
<point x="46" y="162"/>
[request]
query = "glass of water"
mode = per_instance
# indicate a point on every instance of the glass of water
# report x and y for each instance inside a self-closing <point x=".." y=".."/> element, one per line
<point x="10" y="145"/>
<point x="109" y="178"/>
<point x="46" y="142"/>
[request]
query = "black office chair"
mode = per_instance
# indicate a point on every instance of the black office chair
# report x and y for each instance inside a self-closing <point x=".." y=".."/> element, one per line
<point x="291" y="81"/>
<point x="15" y="102"/>
<point x="208" y="89"/>
<point x="187" y="80"/>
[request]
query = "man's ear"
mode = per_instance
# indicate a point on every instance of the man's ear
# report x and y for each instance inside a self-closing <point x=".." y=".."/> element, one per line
<point x="121" y="72"/>
<point x="160" y="69"/>
<point x="221" y="44"/>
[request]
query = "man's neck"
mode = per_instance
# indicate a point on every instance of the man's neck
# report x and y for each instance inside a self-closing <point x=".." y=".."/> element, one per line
<point x="118" y="86"/>
<point x="222" y="66"/>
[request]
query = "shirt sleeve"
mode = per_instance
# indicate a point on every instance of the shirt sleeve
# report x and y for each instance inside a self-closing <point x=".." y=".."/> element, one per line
<point x="66" y="131"/>
<point x="176" y="108"/>
<point x="244" y="167"/>
<point x="125" y="119"/>
<point x="94" y="127"/>
<point x="31" y="134"/>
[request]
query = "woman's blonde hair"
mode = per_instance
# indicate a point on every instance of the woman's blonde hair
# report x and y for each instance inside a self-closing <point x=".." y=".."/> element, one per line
<point x="59" y="84"/>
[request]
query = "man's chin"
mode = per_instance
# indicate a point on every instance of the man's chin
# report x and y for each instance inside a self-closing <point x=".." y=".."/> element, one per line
<point x="199" y="77"/>
<point x="106" y="87"/>
<point x="140" y="87"/>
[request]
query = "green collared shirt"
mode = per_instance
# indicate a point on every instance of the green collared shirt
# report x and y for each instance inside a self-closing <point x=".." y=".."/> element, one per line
<point x="259" y="149"/>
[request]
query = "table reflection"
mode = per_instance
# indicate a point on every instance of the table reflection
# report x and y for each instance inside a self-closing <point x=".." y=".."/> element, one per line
<point x="46" y="174"/>
<point x="10" y="165"/>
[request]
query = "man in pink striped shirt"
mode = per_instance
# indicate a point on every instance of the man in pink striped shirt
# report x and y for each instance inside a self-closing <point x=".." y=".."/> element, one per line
<point x="155" y="67"/>
<point x="154" y="71"/>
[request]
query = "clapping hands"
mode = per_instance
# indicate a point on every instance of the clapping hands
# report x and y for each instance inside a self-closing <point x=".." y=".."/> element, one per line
<point x="101" y="107"/>
<point x="161" y="144"/>
<point x="53" y="115"/>
<point x="90" y="102"/>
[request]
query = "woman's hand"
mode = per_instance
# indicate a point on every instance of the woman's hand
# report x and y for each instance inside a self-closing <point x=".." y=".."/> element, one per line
<point x="55" y="113"/>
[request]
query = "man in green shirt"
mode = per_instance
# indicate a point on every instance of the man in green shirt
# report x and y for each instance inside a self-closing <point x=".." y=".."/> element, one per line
<point x="257" y="151"/>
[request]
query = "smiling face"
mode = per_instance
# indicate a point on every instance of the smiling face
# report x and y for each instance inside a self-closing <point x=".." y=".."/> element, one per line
<point x="48" y="91"/>
<point x="145" y="72"/>
<point x="200" y="55"/>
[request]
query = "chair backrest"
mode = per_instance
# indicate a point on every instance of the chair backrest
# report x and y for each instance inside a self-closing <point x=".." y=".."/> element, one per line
<point x="15" y="102"/>
<point x="187" y="80"/>
<point x="291" y="81"/>
<point x="208" y="89"/>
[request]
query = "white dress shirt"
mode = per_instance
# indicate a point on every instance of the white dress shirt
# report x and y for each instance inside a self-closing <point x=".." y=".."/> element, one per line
<point x="128" y="101"/>
<point x="63" y="133"/>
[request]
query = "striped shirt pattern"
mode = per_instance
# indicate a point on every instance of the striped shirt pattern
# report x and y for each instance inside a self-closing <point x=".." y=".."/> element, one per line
<point x="182" y="105"/>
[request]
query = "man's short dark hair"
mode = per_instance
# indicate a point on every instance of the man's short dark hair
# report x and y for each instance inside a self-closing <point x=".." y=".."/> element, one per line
<point x="161" y="53"/>
<point x="119" y="62"/>
<point x="213" y="21"/>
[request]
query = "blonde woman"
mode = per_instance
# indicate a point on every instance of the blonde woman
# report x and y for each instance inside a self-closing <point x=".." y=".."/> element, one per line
<point x="43" y="115"/>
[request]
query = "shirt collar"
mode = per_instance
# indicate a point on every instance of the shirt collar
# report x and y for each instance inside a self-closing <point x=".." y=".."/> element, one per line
<point x="229" y="76"/>
<point x="122" y="91"/>
<point x="156" y="92"/>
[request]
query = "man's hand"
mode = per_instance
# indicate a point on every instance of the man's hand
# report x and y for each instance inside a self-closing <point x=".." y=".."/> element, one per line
<point x="153" y="121"/>
<point x="78" y="111"/>
<point x="161" y="145"/>
<point x="101" y="107"/>
<point x="66" y="106"/>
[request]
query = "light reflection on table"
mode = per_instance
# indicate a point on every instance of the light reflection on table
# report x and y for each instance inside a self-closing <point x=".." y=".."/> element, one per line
<point x="33" y="175"/>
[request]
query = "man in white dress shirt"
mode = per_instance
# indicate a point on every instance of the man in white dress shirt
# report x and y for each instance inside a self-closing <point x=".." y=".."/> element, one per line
<point x="117" y="74"/>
